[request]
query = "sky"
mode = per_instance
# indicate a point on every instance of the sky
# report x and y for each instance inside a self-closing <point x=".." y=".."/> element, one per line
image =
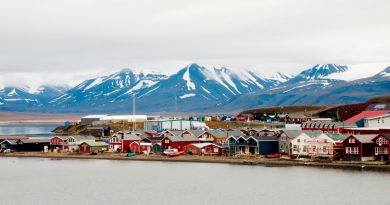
<point x="67" y="41"/>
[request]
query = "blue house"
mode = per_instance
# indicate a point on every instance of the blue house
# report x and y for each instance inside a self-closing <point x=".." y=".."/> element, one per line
<point x="254" y="145"/>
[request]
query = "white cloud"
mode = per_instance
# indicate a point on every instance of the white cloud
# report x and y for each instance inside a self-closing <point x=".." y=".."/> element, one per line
<point x="70" y="40"/>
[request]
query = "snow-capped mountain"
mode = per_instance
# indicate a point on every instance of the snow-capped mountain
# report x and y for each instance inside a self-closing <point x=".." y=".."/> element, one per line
<point x="317" y="77"/>
<point x="190" y="88"/>
<point x="196" y="88"/>
<point x="22" y="98"/>
<point x="317" y="89"/>
<point x="107" y="89"/>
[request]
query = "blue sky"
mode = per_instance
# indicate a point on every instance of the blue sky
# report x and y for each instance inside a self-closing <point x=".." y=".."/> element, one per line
<point x="53" y="41"/>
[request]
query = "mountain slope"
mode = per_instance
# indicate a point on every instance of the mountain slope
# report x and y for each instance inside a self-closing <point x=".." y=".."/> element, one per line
<point x="106" y="90"/>
<point x="196" y="88"/>
<point x="321" y="90"/>
<point x="27" y="99"/>
<point x="191" y="88"/>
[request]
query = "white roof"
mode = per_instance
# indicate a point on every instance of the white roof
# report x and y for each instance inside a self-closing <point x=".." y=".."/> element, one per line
<point x="95" y="116"/>
<point x="202" y="145"/>
<point x="124" y="117"/>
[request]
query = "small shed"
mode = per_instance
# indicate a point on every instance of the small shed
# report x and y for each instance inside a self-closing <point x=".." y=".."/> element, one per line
<point x="92" y="146"/>
<point x="204" y="149"/>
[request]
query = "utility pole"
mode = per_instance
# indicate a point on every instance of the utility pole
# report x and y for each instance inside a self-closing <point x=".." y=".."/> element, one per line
<point x="134" y="123"/>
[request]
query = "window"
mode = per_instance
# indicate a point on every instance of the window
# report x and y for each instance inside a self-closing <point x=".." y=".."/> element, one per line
<point x="166" y="141"/>
<point x="381" y="140"/>
<point x="381" y="150"/>
<point x="324" y="148"/>
<point x="352" y="150"/>
<point x="295" y="148"/>
<point x="351" y="140"/>
<point x="298" y="140"/>
<point x="314" y="148"/>
<point x="305" y="148"/>
<point x="216" y="149"/>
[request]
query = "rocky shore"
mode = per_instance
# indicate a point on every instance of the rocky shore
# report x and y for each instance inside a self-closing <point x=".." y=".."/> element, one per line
<point x="350" y="165"/>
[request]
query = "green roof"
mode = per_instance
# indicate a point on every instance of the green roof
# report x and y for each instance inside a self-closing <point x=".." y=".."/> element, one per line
<point x="337" y="137"/>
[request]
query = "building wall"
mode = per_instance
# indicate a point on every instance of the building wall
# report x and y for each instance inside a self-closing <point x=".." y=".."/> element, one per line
<point x="284" y="144"/>
<point x="208" y="150"/>
<point x="299" y="145"/>
<point x="379" y="122"/>
<point x="321" y="146"/>
<point x="268" y="147"/>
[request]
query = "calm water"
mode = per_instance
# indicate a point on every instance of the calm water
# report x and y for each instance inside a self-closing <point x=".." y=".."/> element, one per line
<point x="21" y="129"/>
<point x="46" y="181"/>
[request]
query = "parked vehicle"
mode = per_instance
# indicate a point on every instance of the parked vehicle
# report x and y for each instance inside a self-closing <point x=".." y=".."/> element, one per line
<point x="173" y="152"/>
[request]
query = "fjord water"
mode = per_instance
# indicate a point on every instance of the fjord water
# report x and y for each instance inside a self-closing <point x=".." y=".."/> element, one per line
<point x="38" y="129"/>
<point x="67" y="181"/>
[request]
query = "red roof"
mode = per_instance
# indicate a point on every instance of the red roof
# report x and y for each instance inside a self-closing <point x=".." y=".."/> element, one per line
<point x="366" y="114"/>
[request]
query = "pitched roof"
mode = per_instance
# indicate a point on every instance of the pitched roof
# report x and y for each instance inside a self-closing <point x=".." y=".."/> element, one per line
<point x="364" y="138"/>
<point x="94" y="144"/>
<point x="63" y="137"/>
<point x="197" y="133"/>
<point x="266" y="138"/>
<point x="386" y="135"/>
<point x="292" y="133"/>
<point x="202" y="145"/>
<point x="218" y="133"/>
<point x="36" y="140"/>
<point x="154" y="139"/>
<point x="13" y="142"/>
<point x="82" y="137"/>
<point x="366" y="114"/>
<point x="12" y="137"/>
<point x="131" y="136"/>
<point x="379" y="116"/>
<point x="312" y="133"/>
<point x="145" y="133"/>
<point x="336" y="136"/>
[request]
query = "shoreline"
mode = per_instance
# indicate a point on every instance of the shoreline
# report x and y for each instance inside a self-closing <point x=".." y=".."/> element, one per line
<point x="253" y="161"/>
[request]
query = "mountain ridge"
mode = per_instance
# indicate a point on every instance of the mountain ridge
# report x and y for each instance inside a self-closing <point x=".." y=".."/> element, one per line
<point x="196" y="88"/>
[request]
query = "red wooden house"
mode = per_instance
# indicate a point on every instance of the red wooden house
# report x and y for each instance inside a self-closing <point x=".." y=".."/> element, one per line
<point x="359" y="147"/>
<point x="58" y="142"/>
<point x="178" y="139"/>
<point x="125" y="142"/>
<point x="382" y="147"/>
<point x="155" y="143"/>
<point x="209" y="149"/>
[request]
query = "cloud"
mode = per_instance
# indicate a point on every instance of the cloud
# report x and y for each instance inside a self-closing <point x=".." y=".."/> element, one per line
<point x="84" y="38"/>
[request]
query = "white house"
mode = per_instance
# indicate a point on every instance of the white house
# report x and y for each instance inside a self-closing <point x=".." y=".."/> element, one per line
<point x="72" y="143"/>
<point x="377" y="121"/>
<point x="299" y="145"/>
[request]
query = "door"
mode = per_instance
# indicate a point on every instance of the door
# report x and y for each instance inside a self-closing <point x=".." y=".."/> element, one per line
<point x="87" y="149"/>
<point x="134" y="148"/>
<point x="156" y="148"/>
<point x="81" y="148"/>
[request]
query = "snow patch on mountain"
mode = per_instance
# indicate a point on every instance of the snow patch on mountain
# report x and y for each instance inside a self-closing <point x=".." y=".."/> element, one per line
<point x="97" y="81"/>
<point x="187" y="78"/>
<point x="358" y="71"/>
<point x="188" y="95"/>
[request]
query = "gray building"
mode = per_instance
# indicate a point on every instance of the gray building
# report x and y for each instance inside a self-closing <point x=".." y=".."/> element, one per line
<point x="173" y="125"/>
